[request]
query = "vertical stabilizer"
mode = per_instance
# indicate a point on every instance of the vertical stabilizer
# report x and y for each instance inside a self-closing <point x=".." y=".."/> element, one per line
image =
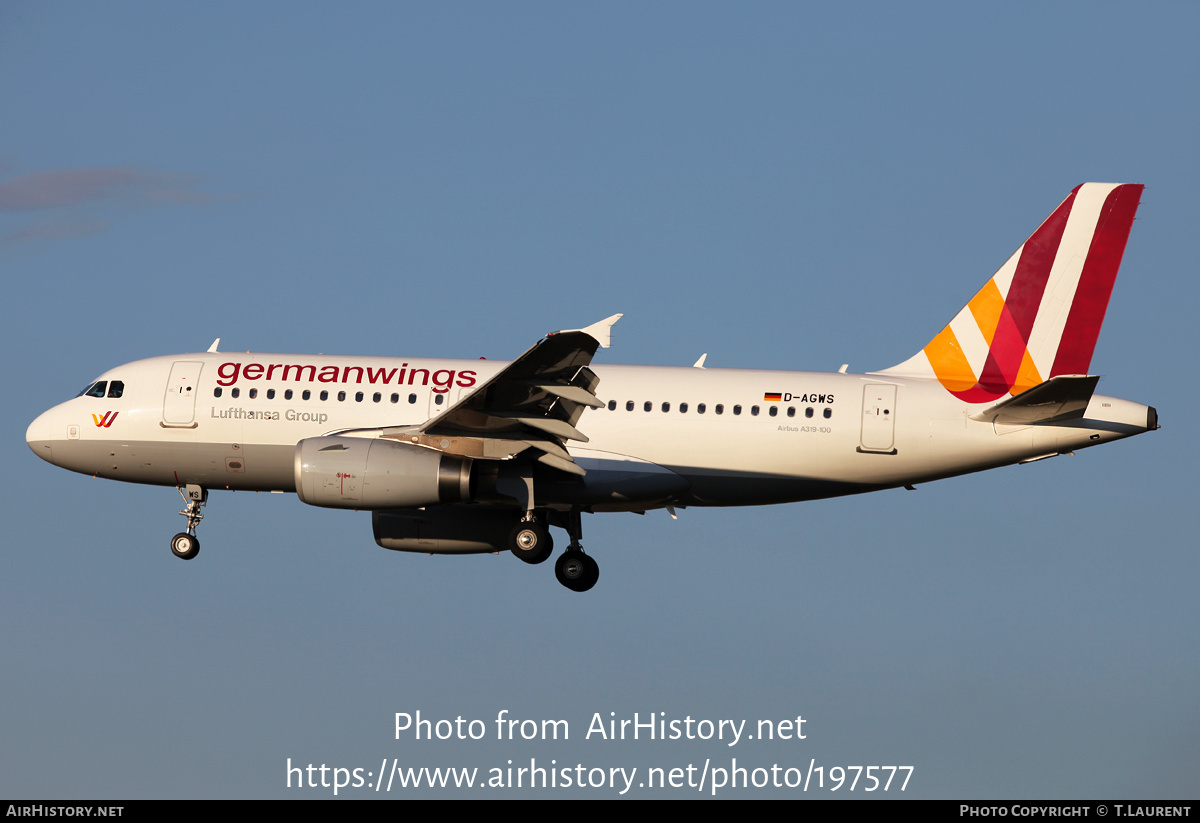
<point x="1040" y="315"/>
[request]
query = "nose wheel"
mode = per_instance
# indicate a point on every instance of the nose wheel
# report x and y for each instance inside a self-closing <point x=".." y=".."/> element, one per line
<point x="186" y="545"/>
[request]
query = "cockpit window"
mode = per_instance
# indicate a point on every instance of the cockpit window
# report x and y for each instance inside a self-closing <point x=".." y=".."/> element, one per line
<point x="116" y="388"/>
<point x="96" y="389"/>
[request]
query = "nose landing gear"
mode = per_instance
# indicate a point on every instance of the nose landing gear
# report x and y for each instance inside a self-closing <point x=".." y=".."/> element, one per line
<point x="186" y="545"/>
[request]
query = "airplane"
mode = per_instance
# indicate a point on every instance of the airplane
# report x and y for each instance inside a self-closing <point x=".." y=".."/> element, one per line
<point x="474" y="456"/>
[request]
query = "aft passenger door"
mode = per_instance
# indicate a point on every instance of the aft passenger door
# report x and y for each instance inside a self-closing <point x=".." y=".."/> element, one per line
<point x="879" y="418"/>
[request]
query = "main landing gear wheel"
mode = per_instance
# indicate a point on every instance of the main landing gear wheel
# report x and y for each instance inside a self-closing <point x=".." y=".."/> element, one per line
<point x="576" y="570"/>
<point x="530" y="541"/>
<point x="185" y="546"/>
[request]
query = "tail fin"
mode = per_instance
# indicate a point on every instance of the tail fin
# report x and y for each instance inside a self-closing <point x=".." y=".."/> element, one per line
<point x="1039" y="316"/>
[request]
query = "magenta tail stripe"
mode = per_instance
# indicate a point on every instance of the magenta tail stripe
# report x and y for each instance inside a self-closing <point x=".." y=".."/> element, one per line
<point x="1004" y="356"/>
<point x="1033" y="269"/>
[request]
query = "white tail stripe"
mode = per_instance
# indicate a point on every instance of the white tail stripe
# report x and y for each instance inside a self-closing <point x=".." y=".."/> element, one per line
<point x="1003" y="278"/>
<point x="1064" y="274"/>
<point x="970" y="339"/>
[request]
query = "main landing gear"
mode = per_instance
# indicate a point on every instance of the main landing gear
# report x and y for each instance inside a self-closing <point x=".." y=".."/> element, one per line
<point x="576" y="570"/>
<point x="530" y="541"/>
<point x="186" y="545"/>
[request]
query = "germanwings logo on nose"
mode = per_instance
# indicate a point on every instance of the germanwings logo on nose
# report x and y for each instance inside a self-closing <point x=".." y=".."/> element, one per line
<point x="105" y="421"/>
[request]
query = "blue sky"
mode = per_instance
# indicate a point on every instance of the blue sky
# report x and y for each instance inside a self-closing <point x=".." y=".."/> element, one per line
<point x="781" y="185"/>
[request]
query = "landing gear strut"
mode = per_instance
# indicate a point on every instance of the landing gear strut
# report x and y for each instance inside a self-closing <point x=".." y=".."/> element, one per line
<point x="574" y="569"/>
<point x="186" y="545"/>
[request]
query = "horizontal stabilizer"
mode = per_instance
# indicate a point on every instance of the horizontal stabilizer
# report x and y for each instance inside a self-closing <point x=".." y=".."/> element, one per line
<point x="1065" y="397"/>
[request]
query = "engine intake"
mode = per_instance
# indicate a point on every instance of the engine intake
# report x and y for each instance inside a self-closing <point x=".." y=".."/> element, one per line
<point x="373" y="473"/>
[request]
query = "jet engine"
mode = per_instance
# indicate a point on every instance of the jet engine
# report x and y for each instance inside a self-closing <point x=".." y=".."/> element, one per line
<point x="375" y="473"/>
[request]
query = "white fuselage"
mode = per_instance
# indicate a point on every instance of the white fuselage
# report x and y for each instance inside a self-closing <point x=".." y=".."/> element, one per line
<point x="666" y="436"/>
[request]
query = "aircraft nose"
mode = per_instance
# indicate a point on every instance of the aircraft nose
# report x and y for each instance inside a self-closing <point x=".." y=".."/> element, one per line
<point x="37" y="437"/>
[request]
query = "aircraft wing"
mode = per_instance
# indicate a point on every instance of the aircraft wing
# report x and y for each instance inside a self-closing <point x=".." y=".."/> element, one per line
<point x="1064" y="397"/>
<point x="537" y="399"/>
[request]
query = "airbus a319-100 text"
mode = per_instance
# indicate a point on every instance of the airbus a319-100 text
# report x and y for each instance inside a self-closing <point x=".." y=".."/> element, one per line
<point x="462" y="456"/>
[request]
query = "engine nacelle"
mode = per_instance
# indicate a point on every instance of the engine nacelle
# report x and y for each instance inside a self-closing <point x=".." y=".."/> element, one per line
<point x="373" y="473"/>
<point x="451" y="530"/>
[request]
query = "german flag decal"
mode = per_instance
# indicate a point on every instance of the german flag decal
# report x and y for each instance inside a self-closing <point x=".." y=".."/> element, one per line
<point x="772" y="397"/>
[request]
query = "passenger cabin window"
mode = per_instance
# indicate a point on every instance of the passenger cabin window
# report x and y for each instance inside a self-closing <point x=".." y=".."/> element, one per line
<point x="341" y="396"/>
<point x="773" y="410"/>
<point x="683" y="408"/>
<point x="612" y="405"/>
<point x="234" y="392"/>
<point x="217" y="391"/>
<point x="270" y="394"/>
<point x="412" y="398"/>
<point x="324" y="395"/>
<point x="376" y="397"/>
<point x="395" y="397"/>
<point x="287" y="394"/>
<point x="666" y="407"/>
<point x="629" y="405"/>
<point x="700" y="408"/>
<point x="737" y="409"/>
<point x="305" y="395"/>
<point x="828" y="413"/>
<point x="254" y="394"/>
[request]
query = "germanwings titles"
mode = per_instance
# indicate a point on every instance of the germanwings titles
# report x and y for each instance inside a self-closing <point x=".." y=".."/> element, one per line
<point x="456" y="457"/>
